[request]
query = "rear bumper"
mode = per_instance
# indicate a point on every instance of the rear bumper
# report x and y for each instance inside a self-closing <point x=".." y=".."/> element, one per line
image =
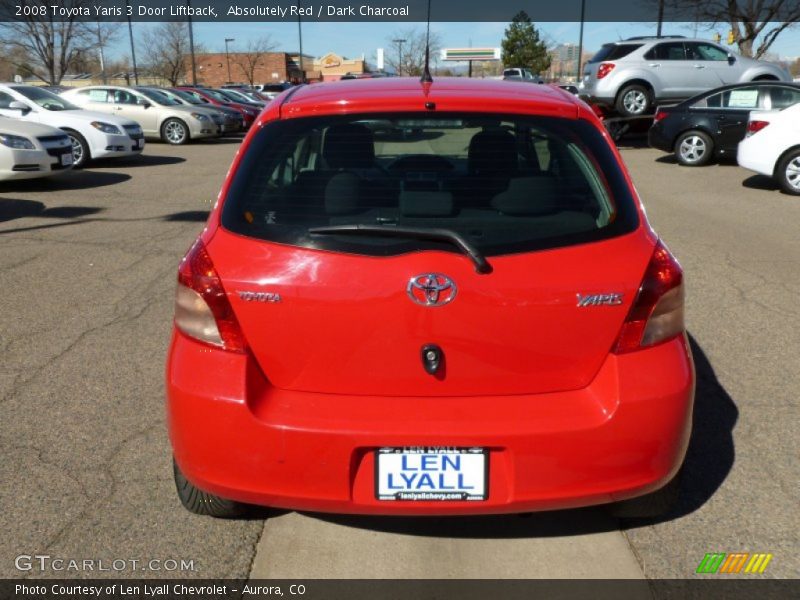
<point x="235" y="435"/>
<point x="758" y="156"/>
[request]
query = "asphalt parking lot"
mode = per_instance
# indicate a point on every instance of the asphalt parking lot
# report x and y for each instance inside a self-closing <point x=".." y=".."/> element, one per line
<point x="87" y="270"/>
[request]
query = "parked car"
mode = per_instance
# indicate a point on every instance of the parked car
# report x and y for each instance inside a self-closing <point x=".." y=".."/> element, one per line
<point x="713" y="123"/>
<point x="93" y="134"/>
<point x="272" y="90"/>
<point x="242" y="98"/>
<point x="485" y="323"/>
<point x="772" y="146"/>
<point x="30" y="150"/>
<point x="231" y="121"/>
<point x="160" y="117"/>
<point x="635" y="75"/>
<point x="215" y="98"/>
<point x="520" y="74"/>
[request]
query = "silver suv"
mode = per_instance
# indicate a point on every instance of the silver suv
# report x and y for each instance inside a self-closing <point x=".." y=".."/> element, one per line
<point x="636" y="74"/>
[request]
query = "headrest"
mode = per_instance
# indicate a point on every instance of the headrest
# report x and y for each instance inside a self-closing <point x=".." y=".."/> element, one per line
<point x="426" y="204"/>
<point x="341" y="194"/>
<point x="349" y="146"/>
<point x="492" y="152"/>
<point x="528" y="196"/>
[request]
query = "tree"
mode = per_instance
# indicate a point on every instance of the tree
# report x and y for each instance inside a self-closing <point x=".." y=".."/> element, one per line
<point x="413" y="51"/>
<point x="45" y="47"/>
<point x="167" y="50"/>
<point x="522" y="46"/>
<point x="749" y="20"/>
<point x="248" y="60"/>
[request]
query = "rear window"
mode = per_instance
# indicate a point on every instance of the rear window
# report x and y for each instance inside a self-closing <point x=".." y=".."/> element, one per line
<point x="507" y="184"/>
<point x="614" y="52"/>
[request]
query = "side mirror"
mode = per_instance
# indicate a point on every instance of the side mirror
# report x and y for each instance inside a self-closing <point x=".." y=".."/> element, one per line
<point x="731" y="59"/>
<point x="145" y="103"/>
<point x="20" y="106"/>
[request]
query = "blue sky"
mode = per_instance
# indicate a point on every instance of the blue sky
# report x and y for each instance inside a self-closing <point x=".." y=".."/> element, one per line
<point x="353" y="39"/>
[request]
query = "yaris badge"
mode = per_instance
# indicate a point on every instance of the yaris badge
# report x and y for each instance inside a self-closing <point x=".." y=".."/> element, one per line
<point x="432" y="289"/>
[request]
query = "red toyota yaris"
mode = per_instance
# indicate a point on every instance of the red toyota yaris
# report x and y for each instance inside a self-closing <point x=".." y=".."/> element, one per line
<point x="427" y="299"/>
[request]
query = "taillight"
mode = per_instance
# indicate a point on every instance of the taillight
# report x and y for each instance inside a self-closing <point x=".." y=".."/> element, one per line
<point x="202" y="309"/>
<point x="604" y="69"/>
<point x="657" y="313"/>
<point x="755" y="127"/>
<point x="660" y="115"/>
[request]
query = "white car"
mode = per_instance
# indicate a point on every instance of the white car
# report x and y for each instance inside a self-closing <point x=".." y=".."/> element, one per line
<point x="30" y="150"/>
<point x="93" y="134"/>
<point x="772" y="146"/>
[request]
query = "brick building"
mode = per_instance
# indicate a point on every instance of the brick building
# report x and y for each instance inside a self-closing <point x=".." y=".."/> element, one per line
<point x="272" y="67"/>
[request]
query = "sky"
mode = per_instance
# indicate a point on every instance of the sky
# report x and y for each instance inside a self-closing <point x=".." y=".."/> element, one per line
<point x="354" y="39"/>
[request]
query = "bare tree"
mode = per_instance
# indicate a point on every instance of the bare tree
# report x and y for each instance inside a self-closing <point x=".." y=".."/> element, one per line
<point x="43" y="46"/>
<point x="749" y="20"/>
<point x="167" y="50"/>
<point x="248" y="61"/>
<point x="411" y="61"/>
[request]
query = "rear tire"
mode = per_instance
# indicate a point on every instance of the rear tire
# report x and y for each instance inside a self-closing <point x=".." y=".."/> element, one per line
<point x="634" y="100"/>
<point x="202" y="503"/>
<point x="788" y="172"/>
<point x="80" y="149"/>
<point x="694" y="148"/>
<point x="654" y="504"/>
<point x="175" y="132"/>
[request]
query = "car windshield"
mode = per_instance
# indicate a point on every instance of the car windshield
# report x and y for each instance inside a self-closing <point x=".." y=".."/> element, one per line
<point x="504" y="183"/>
<point x="43" y="98"/>
<point x="217" y="95"/>
<point x="158" y="97"/>
<point x="236" y="96"/>
<point x="187" y="97"/>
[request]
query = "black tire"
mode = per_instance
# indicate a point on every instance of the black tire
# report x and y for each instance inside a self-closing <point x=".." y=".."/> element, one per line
<point x="174" y="132"/>
<point x="80" y="149"/>
<point x="634" y="100"/>
<point x="202" y="503"/>
<point x="654" y="504"/>
<point x="787" y="172"/>
<point x="694" y="148"/>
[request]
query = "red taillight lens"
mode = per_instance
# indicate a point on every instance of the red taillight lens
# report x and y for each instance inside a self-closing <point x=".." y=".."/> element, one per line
<point x="756" y="126"/>
<point x="604" y="69"/>
<point x="659" y="116"/>
<point x="657" y="313"/>
<point x="202" y="309"/>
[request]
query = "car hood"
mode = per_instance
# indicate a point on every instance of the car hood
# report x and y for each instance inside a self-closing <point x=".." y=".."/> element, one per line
<point x="26" y="128"/>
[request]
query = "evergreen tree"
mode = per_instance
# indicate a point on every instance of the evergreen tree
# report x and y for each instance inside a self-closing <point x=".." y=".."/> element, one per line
<point x="522" y="46"/>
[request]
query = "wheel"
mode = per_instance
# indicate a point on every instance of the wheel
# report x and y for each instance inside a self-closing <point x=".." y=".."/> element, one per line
<point x="788" y="172"/>
<point x="175" y="132"/>
<point x="202" y="503"/>
<point x="694" y="148"/>
<point x="634" y="100"/>
<point x="80" y="149"/>
<point x="651" y="505"/>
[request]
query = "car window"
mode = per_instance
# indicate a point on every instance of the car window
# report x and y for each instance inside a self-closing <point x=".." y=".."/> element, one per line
<point x="94" y="95"/>
<point x="699" y="51"/>
<point x="5" y="99"/>
<point x="745" y="98"/>
<point x="44" y="98"/>
<point x="124" y="97"/>
<point x="509" y="184"/>
<point x="667" y="51"/>
<point x="614" y="52"/>
<point x="782" y="97"/>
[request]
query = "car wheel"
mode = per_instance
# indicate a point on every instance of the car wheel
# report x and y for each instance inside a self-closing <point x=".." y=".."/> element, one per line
<point x="694" y="148"/>
<point x="80" y="149"/>
<point x="788" y="172"/>
<point x="202" y="503"/>
<point x="650" y="505"/>
<point x="634" y="100"/>
<point x="175" y="132"/>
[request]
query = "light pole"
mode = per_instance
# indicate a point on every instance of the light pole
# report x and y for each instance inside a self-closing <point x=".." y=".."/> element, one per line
<point x="133" y="50"/>
<point x="300" y="37"/>
<point x="579" y="75"/>
<point x="400" y="43"/>
<point x="191" y="45"/>
<point x="228" y="57"/>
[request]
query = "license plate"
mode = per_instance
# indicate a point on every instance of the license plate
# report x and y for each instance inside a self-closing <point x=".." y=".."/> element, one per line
<point x="140" y="143"/>
<point x="431" y="473"/>
<point x="66" y="159"/>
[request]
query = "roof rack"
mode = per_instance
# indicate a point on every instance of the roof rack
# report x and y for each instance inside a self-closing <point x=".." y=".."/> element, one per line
<point x="654" y="37"/>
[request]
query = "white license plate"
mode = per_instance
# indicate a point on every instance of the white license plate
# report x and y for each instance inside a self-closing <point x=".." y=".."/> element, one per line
<point x="66" y="159"/>
<point x="140" y="143"/>
<point x="431" y="474"/>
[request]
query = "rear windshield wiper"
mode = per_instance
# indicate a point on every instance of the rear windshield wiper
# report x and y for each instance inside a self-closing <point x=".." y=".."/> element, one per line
<point x="422" y="233"/>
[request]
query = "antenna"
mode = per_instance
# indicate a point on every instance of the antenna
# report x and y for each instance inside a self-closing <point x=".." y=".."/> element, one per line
<point x="426" y="73"/>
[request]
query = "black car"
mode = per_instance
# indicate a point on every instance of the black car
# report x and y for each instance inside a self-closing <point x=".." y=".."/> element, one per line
<point x="712" y="124"/>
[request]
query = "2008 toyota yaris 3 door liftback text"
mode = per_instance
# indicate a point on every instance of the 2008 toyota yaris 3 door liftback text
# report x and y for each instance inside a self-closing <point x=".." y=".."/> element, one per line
<point x="428" y="298"/>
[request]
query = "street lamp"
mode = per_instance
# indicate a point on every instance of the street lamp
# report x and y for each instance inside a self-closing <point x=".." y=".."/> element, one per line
<point x="400" y="43"/>
<point x="228" y="58"/>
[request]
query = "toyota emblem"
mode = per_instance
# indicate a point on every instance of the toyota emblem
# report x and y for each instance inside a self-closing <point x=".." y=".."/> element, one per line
<point x="431" y="289"/>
